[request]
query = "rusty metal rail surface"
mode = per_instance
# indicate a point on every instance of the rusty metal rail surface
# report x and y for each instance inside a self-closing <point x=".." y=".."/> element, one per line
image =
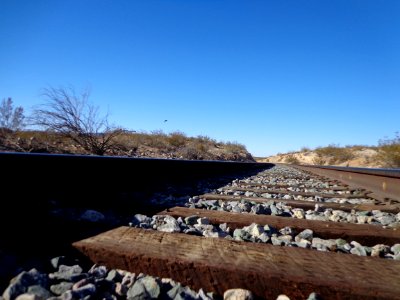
<point x="395" y="173"/>
<point x="382" y="184"/>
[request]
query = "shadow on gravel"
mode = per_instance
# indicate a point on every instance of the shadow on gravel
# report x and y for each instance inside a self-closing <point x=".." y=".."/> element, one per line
<point x="62" y="199"/>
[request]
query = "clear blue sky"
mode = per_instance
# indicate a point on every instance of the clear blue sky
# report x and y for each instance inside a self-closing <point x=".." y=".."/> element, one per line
<point x="273" y="75"/>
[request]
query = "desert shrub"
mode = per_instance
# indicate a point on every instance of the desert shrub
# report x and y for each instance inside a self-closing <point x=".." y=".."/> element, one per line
<point x="389" y="152"/>
<point x="305" y="149"/>
<point x="72" y="116"/>
<point x="5" y="132"/>
<point x="319" y="161"/>
<point x="356" y="147"/>
<point x="234" y="147"/>
<point x="334" y="154"/>
<point x="128" y="142"/>
<point x="177" y="139"/>
<point x="200" y="145"/>
<point x="11" y="118"/>
<point x="155" y="139"/>
<point x="291" y="159"/>
<point x="206" y="139"/>
<point x="191" y="152"/>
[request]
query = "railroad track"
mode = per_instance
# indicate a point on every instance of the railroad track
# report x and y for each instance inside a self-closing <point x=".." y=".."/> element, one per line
<point x="281" y="230"/>
<point x="277" y="220"/>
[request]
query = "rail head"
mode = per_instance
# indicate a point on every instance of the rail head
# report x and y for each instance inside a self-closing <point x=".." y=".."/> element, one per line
<point x="57" y="171"/>
<point x="25" y="155"/>
<point x="381" y="184"/>
<point x="394" y="173"/>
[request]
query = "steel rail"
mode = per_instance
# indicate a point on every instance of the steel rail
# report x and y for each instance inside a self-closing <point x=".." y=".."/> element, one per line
<point x="395" y="173"/>
<point x="382" y="184"/>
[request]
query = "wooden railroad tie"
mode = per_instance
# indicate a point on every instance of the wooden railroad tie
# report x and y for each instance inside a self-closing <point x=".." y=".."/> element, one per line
<point x="366" y="234"/>
<point x="305" y="194"/>
<point x="306" y="204"/>
<point x="282" y="185"/>
<point x="216" y="265"/>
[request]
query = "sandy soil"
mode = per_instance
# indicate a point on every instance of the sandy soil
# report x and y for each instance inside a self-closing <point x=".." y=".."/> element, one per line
<point x="362" y="158"/>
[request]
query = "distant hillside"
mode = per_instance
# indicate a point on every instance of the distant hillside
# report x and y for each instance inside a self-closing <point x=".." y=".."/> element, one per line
<point x="132" y="144"/>
<point x="387" y="154"/>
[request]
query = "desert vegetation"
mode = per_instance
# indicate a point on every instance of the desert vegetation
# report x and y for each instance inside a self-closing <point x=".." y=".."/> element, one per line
<point x="74" y="117"/>
<point x="384" y="155"/>
<point x="291" y="159"/>
<point x="11" y="118"/>
<point x="132" y="144"/>
<point x="389" y="152"/>
<point x="69" y="124"/>
<point x="332" y="155"/>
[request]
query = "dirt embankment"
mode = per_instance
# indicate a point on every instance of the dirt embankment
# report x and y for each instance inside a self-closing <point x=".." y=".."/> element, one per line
<point x="155" y="145"/>
<point x="353" y="157"/>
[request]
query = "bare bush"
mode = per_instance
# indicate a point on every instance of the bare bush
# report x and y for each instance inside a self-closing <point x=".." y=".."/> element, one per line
<point x="11" y="119"/>
<point x="72" y="116"/>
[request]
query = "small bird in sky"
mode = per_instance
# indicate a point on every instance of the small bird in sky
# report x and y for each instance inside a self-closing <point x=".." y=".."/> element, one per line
<point x="165" y="121"/>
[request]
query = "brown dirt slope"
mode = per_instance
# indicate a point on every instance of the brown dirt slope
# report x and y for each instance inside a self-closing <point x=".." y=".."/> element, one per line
<point x="350" y="156"/>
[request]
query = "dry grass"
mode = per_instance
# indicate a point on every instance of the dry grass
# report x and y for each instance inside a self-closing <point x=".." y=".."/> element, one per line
<point x="305" y="149"/>
<point x="389" y="152"/>
<point x="154" y="144"/>
<point x="333" y="154"/>
<point x="291" y="159"/>
<point x="385" y="154"/>
<point x="177" y="139"/>
<point x="234" y="147"/>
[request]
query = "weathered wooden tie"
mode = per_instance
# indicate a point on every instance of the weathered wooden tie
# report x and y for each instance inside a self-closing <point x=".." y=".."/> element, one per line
<point x="305" y="194"/>
<point x="307" y="204"/>
<point x="219" y="264"/>
<point x="366" y="234"/>
<point x="281" y="185"/>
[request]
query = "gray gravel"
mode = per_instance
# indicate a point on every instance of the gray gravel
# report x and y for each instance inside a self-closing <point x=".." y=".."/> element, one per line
<point x="298" y="181"/>
<point x="257" y="233"/>
<point x="275" y="208"/>
<point x="274" y="205"/>
<point x="71" y="282"/>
